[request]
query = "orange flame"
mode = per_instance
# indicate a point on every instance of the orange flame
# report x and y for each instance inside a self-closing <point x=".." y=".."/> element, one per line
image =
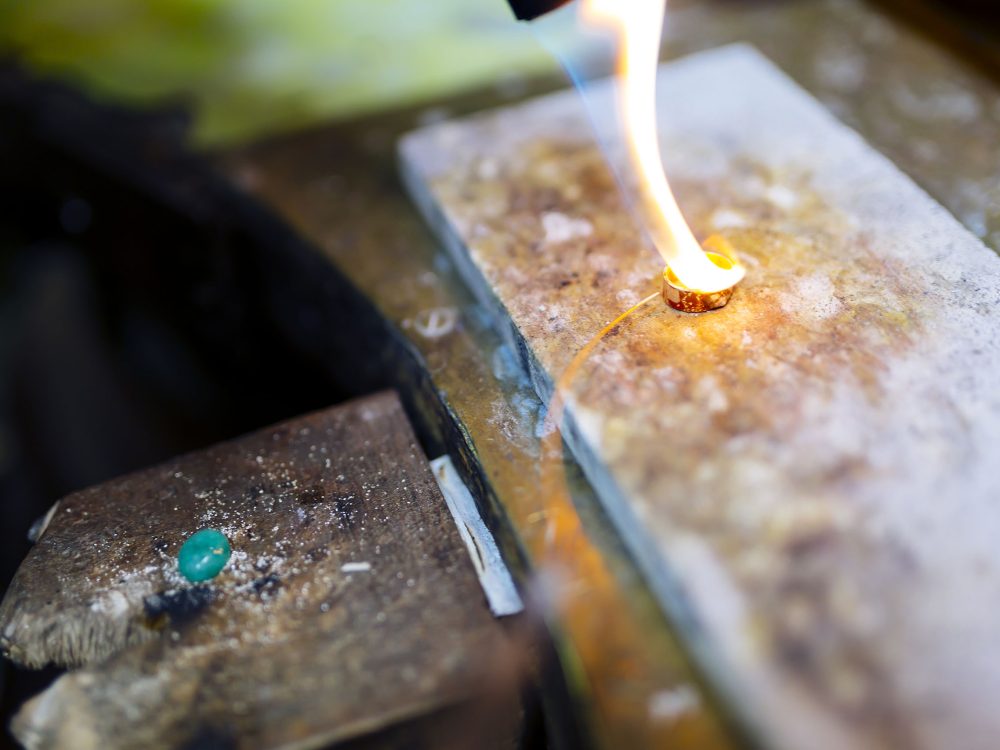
<point x="638" y="25"/>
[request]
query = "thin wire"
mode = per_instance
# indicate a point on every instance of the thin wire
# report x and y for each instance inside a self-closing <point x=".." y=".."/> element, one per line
<point x="574" y="574"/>
<point x="557" y="513"/>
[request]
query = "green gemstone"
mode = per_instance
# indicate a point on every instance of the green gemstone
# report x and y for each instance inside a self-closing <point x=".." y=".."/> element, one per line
<point x="203" y="555"/>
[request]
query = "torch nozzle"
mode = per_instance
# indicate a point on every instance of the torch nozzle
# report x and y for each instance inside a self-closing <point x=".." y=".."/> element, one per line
<point x="526" y="10"/>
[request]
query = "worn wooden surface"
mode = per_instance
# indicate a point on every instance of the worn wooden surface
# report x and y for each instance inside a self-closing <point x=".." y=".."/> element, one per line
<point x="806" y="475"/>
<point x="349" y="601"/>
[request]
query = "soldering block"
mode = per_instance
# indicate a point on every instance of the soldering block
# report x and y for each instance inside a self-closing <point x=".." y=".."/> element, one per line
<point x="807" y="476"/>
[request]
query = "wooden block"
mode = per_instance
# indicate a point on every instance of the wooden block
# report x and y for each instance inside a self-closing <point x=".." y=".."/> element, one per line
<point x="807" y="475"/>
<point x="349" y="601"/>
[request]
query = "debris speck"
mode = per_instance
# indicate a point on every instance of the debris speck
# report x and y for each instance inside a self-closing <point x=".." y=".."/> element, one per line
<point x="562" y="228"/>
<point x="356" y="567"/>
<point x="670" y="705"/>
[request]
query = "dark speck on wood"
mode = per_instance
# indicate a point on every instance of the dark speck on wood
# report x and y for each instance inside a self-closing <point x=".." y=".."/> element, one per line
<point x="266" y="585"/>
<point x="311" y="495"/>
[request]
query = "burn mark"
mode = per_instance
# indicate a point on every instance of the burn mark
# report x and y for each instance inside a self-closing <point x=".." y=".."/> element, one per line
<point x="161" y="545"/>
<point x="256" y="490"/>
<point x="177" y="607"/>
<point x="346" y="508"/>
<point x="267" y="586"/>
<point x="211" y="738"/>
<point x="311" y="495"/>
<point x="317" y="553"/>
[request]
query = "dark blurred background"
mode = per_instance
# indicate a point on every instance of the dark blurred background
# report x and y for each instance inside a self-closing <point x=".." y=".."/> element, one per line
<point x="130" y="327"/>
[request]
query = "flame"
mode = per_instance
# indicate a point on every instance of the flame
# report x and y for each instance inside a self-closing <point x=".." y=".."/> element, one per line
<point x="638" y="25"/>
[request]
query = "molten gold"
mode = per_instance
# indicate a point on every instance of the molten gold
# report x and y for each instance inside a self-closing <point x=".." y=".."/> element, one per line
<point x="688" y="300"/>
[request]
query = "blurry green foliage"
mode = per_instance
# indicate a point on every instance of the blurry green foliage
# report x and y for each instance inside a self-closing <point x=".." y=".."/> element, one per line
<point x="247" y="67"/>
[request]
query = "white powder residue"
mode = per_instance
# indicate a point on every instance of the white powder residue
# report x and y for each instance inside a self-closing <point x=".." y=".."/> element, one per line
<point x="627" y="296"/>
<point x="711" y="395"/>
<point x="112" y="603"/>
<point x="940" y="102"/>
<point x="670" y="705"/>
<point x="844" y="72"/>
<point x="562" y="228"/>
<point x="726" y="218"/>
<point x="812" y="297"/>
<point x="781" y="196"/>
<point x="488" y="169"/>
